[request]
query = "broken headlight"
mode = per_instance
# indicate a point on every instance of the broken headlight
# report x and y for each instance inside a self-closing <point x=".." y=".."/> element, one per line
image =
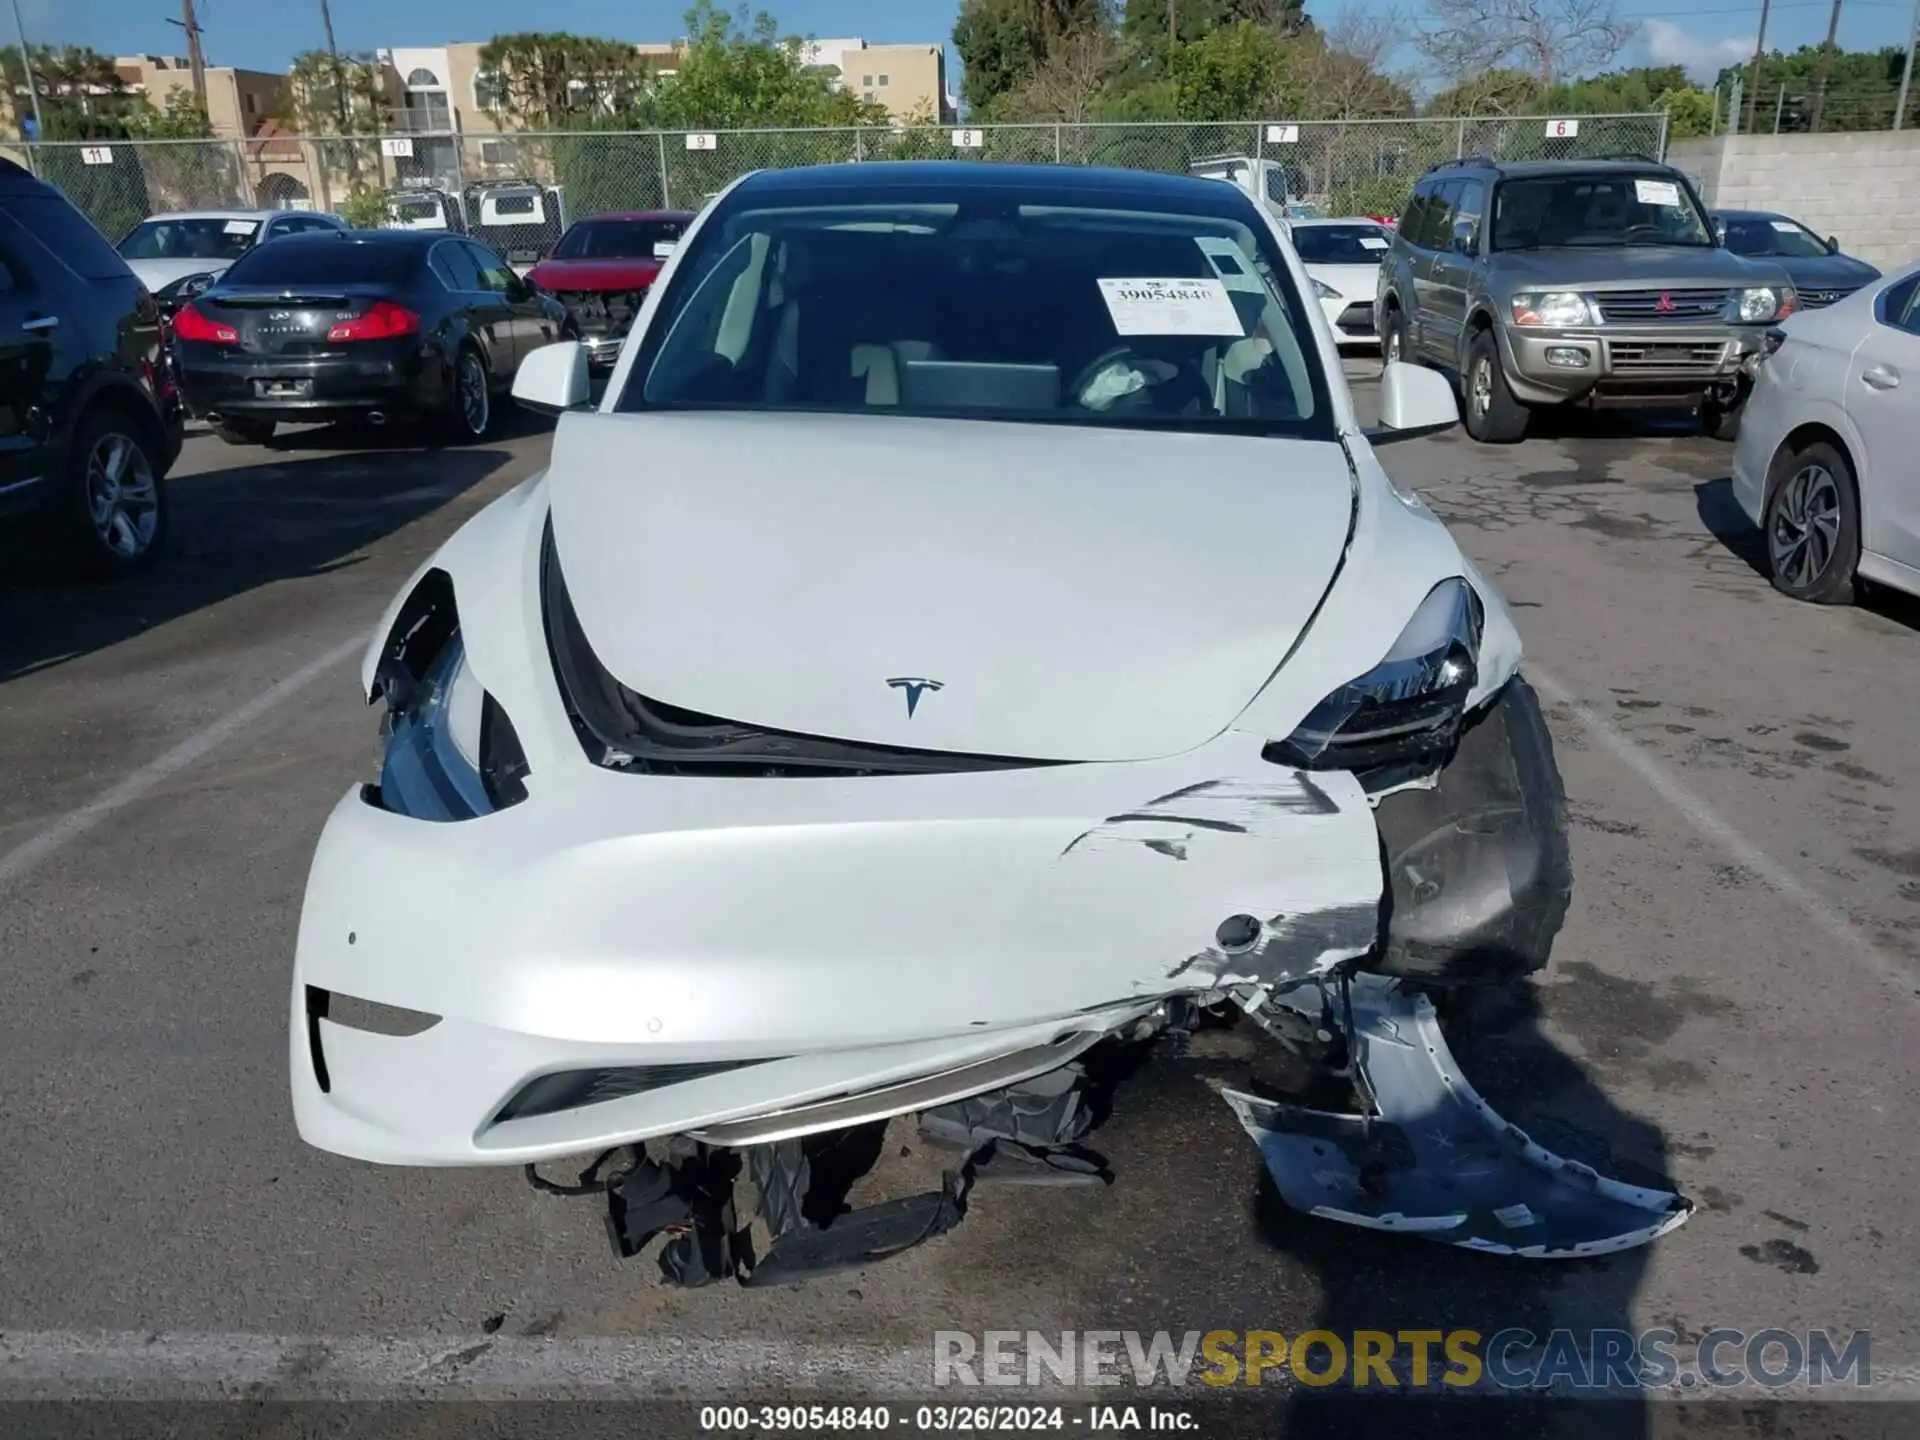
<point x="1406" y="710"/>
<point x="450" y="751"/>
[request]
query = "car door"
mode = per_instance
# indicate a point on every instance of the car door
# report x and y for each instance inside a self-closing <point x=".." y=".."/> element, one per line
<point x="485" y="311"/>
<point x="1436" y="220"/>
<point x="29" y="334"/>
<point x="500" y="286"/>
<point x="1883" y="401"/>
<point x="532" y="326"/>
<point x="1451" y="278"/>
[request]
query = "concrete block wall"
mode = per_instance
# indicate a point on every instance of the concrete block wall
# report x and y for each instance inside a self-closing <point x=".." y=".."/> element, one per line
<point x="1858" y="187"/>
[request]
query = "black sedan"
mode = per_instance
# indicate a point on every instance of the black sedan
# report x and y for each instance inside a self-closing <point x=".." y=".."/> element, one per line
<point x="1819" y="272"/>
<point x="370" y="324"/>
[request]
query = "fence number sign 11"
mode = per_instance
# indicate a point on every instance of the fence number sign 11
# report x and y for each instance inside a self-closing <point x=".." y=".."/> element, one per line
<point x="96" y="154"/>
<point x="1562" y="129"/>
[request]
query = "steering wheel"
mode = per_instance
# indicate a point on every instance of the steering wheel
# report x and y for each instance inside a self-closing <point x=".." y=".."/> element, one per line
<point x="1166" y="395"/>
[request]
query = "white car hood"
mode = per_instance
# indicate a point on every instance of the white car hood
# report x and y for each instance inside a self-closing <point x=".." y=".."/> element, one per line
<point x="156" y="275"/>
<point x="1057" y="592"/>
<point x="1354" y="282"/>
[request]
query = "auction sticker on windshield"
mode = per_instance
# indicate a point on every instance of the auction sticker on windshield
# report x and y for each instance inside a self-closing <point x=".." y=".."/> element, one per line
<point x="1786" y="227"/>
<point x="1373" y="242"/>
<point x="1657" y="192"/>
<point x="242" y="227"/>
<point x="1170" y="307"/>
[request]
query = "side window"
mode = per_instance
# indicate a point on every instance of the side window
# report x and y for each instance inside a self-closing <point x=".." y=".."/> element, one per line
<point x="1413" y="223"/>
<point x="67" y="235"/>
<point x="453" y="263"/>
<point x="1901" y="305"/>
<point x="1470" y="204"/>
<point x="495" y="274"/>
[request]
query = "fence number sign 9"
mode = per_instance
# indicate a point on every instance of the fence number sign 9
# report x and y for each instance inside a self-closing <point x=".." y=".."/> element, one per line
<point x="703" y="140"/>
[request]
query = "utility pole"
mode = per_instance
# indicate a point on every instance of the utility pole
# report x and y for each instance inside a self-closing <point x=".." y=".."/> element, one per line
<point x="1753" y="75"/>
<point x="1821" y="71"/>
<point x="1173" y="22"/>
<point x="1906" y="74"/>
<point x="195" y="56"/>
<point x="33" y="90"/>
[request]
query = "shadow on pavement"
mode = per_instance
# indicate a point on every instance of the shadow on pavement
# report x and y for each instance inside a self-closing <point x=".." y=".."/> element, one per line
<point x="1727" y="522"/>
<point x="231" y="531"/>
<point x="1394" y="1284"/>
<point x="510" y="422"/>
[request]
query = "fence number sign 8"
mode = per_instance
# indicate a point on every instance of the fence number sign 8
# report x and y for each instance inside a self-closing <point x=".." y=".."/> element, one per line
<point x="704" y="140"/>
<point x="96" y="154"/>
<point x="968" y="139"/>
<point x="1562" y="129"/>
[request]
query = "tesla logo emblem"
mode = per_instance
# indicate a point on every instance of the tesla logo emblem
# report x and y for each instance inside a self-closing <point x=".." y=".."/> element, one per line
<point x="1666" y="305"/>
<point x="915" y="688"/>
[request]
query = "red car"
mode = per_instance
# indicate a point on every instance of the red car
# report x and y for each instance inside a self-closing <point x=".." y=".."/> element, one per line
<point x="601" y="270"/>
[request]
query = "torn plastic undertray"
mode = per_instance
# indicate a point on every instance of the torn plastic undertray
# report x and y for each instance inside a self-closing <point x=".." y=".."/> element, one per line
<point x="1435" y="1160"/>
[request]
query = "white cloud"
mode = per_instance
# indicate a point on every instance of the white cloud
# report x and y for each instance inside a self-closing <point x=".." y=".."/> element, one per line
<point x="1668" y="44"/>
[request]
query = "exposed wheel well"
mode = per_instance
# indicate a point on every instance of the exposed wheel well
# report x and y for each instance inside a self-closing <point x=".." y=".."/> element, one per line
<point x="120" y="401"/>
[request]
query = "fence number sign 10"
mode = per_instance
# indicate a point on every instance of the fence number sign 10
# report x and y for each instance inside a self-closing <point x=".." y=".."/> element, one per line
<point x="398" y="146"/>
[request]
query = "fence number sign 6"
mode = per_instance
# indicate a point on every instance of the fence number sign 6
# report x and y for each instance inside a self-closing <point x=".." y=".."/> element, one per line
<point x="968" y="139"/>
<point x="96" y="154"/>
<point x="703" y="141"/>
<point x="1562" y="129"/>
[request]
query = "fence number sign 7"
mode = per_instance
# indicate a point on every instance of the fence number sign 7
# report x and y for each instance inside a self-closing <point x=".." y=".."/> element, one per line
<point x="1283" y="134"/>
<point x="1562" y="129"/>
<point x="703" y="140"/>
<point x="968" y="139"/>
<point x="96" y="154"/>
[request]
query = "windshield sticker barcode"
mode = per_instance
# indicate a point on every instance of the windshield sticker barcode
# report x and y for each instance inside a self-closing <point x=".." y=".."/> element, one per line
<point x="1171" y="307"/>
<point x="1657" y="192"/>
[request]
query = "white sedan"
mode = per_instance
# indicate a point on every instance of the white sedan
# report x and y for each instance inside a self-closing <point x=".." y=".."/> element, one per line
<point x="973" y="627"/>
<point x="1343" y="266"/>
<point x="1824" y="461"/>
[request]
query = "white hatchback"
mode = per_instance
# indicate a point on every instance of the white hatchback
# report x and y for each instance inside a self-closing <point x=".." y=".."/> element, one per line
<point x="1824" y="459"/>
<point x="1342" y="258"/>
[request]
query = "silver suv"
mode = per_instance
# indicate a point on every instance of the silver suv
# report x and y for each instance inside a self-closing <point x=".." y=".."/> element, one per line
<point x="1592" y="282"/>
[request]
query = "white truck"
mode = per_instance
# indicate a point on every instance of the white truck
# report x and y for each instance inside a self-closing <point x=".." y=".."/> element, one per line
<point x="1281" y="186"/>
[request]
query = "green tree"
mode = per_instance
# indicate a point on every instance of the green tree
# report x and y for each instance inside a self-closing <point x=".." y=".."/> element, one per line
<point x="1148" y="26"/>
<point x="548" y="80"/>
<point x="1862" y="87"/>
<point x="1235" y="72"/>
<point x="1492" y="92"/>
<point x="1002" y="42"/>
<point x="337" y="95"/>
<point x="82" y="96"/>
<point x="738" y="71"/>
<point x="183" y="117"/>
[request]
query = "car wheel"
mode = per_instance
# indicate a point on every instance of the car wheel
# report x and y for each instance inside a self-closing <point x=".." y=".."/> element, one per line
<point x="1812" y="525"/>
<point x="1393" y="339"/>
<point x="117" y="508"/>
<point x="1493" y="416"/>
<point x="470" y="401"/>
<point x="245" y="432"/>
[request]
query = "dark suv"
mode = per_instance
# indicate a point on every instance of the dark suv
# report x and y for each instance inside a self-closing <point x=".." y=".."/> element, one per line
<point x="90" y="416"/>
<point x="1598" y="282"/>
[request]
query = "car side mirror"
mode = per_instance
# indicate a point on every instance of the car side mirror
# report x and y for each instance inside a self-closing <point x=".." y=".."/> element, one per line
<point x="1833" y="245"/>
<point x="1414" y="401"/>
<point x="1463" y="236"/>
<point x="553" y="378"/>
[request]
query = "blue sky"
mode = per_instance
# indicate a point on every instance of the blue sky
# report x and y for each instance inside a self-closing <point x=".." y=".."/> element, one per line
<point x="262" y="34"/>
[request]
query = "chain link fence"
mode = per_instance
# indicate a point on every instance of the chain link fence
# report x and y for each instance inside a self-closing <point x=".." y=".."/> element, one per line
<point x="523" y="182"/>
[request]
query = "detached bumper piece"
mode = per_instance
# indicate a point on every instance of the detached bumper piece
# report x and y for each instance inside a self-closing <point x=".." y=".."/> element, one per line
<point x="1435" y="1160"/>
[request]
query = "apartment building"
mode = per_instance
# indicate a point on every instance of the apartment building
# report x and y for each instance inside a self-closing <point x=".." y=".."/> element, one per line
<point x="910" y="80"/>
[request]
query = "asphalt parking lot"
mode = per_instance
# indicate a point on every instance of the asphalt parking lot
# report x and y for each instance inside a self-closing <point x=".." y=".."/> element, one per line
<point x="1734" y="1005"/>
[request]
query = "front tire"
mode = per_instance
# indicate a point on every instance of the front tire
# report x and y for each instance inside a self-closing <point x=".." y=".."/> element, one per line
<point x="1393" y="338"/>
<point x="1812" y="525"/>
<point x="1493" y="416"/>
<point x="116" y="506"/>
<point x="469" y="413"/>
<point x="245" y="432"/>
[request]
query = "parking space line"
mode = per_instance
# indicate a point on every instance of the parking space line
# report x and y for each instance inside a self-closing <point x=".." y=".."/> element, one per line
<point x="31" y="852"/>
<point x="1708" y="823"/>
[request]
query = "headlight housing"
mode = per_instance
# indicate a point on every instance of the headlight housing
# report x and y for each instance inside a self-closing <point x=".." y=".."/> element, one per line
<point x="1324" y="290"/>
<point x="1406" y="711"/>
<point x="1556" y="309"/>
<point x="1761" y="303"/>
<point x="450" y="752"/>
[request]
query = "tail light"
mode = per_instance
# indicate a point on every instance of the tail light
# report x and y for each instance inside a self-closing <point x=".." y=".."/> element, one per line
<point x="190" y="324"/>
<point x="384" y="320"/>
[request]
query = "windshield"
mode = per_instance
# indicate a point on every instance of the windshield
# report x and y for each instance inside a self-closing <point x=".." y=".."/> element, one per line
<point x="610" y="239"/>
<point x="1787" y="238"/>
<point x="970" y="300"/>
<point x="1342" y="244"/>
<point x="1596" y="210"/>
<point x="194" y="239"/>
<point x="321" y="261"/>
<point x="411" y="212"/>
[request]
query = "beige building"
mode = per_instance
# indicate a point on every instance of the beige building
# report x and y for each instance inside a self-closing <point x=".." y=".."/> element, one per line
<point x="910" y="80"/>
